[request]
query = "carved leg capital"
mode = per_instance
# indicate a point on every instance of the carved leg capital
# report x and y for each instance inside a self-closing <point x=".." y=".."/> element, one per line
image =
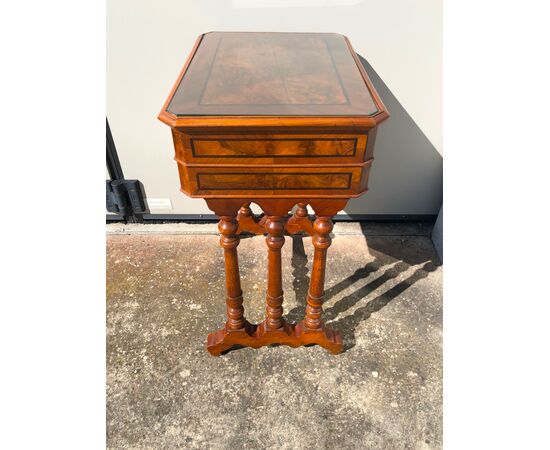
<point x="248" y="221"/>
<point x="300" y="221"/>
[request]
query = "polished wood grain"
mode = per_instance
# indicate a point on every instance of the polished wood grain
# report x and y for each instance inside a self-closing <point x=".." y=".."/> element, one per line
<point x="285" y="121"/>
<point x="281" y="69"/>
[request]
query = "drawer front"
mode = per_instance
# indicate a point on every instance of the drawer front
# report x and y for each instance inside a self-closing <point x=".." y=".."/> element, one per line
<point x="273" y="182"/>
<point x="273" y="148"/>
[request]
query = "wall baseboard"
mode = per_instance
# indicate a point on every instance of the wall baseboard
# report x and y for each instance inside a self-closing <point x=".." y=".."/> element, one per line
<point x="166" y="218"/>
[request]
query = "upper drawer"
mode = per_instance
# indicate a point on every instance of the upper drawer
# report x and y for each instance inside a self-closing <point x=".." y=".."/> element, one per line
<point x="272" y="148"/>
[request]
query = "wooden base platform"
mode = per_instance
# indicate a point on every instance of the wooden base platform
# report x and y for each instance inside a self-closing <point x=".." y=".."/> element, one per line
<point x="257" y="336"/>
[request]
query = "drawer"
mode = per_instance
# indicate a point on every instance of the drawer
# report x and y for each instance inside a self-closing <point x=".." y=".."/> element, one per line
<point x="270" y="148"/>
<point x="280" y="182"/>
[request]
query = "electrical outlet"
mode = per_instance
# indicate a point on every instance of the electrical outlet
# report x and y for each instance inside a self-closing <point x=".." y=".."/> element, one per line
<point x="159" y="203"/>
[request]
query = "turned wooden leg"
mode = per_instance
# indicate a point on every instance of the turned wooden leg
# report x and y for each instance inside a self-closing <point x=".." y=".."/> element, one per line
<point x="229" y="240"/>
<point x="321" y="241"/>
<point x="274" y="299"/>
<point x="274" y="329"/>
<point x="236" y="325"/>
<point x="312" y="325"/>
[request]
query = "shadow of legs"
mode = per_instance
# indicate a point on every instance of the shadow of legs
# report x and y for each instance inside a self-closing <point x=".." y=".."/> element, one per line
<point x="348" y="324"/>
<point x="300" y="282"/>
<point x="359" y="274"/>
<point x="350" y="300"/>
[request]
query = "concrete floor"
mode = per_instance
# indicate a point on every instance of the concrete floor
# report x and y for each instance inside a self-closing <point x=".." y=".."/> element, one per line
<point x="165" y="294"/>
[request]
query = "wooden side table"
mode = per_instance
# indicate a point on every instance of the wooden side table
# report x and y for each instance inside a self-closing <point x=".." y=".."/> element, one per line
<point x="278" y="119"/>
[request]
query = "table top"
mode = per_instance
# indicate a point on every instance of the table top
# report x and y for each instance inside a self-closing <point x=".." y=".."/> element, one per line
<point x="273" y="74"/>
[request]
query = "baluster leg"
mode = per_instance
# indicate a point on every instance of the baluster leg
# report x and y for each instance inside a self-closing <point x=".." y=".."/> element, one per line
<point x="274" y="326"/>
<point x="229" y="240"/>
<point x="236" y="323"/>
<point x="321" y="242"/>
<point x="312" y="329"/>
<point x="274" y="298"/>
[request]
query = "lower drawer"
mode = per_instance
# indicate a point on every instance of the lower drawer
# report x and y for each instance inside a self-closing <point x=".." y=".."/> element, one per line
<point x="204" y="181"/>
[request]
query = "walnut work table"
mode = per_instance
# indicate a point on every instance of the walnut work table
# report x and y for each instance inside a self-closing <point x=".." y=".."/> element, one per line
<point x="277" y="119"/>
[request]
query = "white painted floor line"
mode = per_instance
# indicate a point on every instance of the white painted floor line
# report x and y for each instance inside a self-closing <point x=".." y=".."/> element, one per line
<point x="340" y="228"/>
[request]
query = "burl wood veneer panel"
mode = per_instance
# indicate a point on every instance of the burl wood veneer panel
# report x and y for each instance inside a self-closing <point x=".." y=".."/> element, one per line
<point x="272" y="74"/>
<point x="276" y="182"/>
<point x="251" y="149"/>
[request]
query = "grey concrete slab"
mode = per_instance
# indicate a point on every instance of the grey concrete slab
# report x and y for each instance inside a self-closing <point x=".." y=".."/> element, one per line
<point x="165" y="293"/>
<point x="340" y="228"/>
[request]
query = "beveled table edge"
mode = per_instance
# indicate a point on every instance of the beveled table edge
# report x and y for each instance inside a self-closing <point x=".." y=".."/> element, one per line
<point x="195" y="121"/>
<point x="272" y="122"/>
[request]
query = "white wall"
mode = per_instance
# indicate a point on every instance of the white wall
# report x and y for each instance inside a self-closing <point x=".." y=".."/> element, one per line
<point x="148" y="42"/>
